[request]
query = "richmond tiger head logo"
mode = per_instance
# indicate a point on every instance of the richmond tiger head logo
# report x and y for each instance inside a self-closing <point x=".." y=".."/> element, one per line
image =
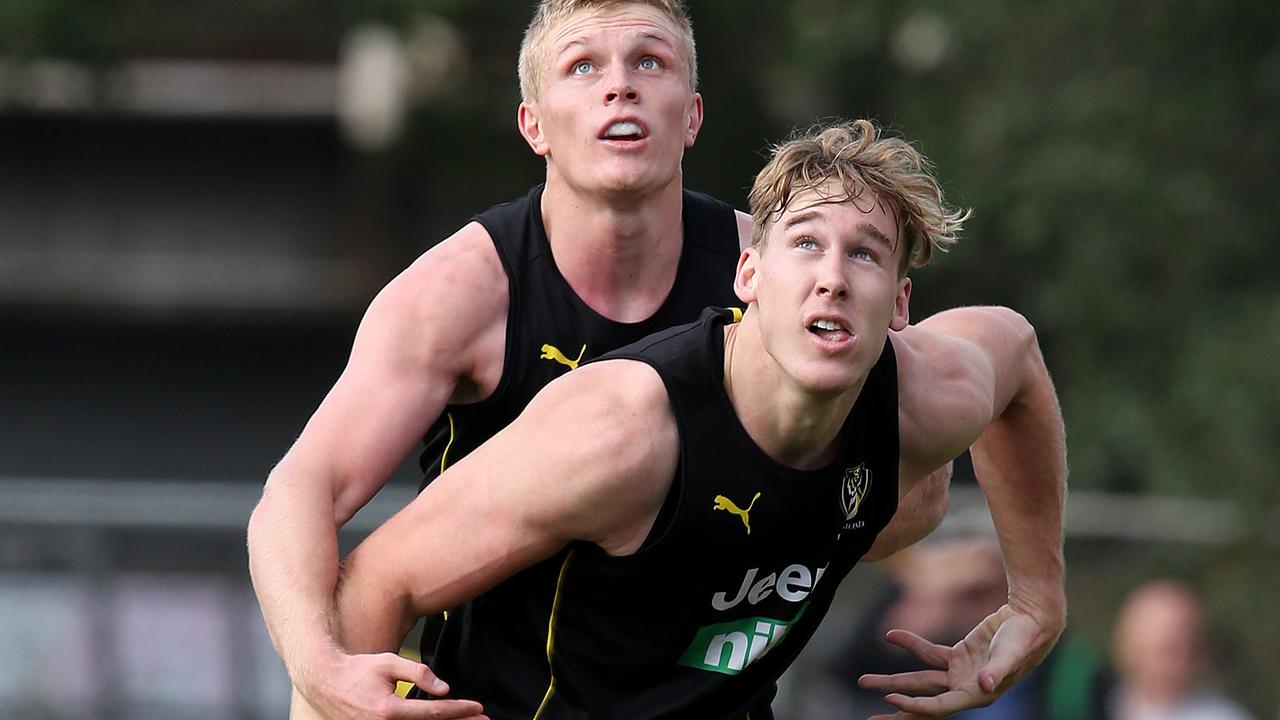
<point x="857" y="481"/>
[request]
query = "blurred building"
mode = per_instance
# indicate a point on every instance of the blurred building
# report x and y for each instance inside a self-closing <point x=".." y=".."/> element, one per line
<point x="189" y="229"/>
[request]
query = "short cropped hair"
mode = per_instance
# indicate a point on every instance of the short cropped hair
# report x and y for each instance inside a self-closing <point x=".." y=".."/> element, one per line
<point x="533" y="50"/>
<point x="855" y="158"/>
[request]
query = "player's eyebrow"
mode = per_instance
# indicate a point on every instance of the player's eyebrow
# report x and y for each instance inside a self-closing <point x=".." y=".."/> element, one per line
<point x="868" y="230"/>
<point x="800" y="218"/>
<point x="641" y="38"/>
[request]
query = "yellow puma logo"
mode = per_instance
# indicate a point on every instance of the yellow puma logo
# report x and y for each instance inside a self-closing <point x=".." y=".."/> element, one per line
<point x="724" y="503"/>
<point x="551" y="352"/>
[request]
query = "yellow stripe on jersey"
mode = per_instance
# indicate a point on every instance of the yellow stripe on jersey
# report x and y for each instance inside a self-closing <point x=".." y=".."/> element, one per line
<point x="551" y="636"/>
<point x="444" y="456"/>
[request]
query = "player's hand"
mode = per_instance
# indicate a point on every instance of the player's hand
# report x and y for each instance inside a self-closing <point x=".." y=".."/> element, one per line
<point x="973" y="673"/>
<point x="360" y="687"/>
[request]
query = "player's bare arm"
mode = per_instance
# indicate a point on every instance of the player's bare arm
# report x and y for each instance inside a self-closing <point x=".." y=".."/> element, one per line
<point x="976" y="376"/>
<point x="988" y="387"/>
<point x="590" y="458"/>
<point x="595" y="434"/>
<point x="431" y="336"/>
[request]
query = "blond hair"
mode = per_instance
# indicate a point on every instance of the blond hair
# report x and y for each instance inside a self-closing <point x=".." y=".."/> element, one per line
<point x="533" y="50"/>
<point x="855" y="158"/>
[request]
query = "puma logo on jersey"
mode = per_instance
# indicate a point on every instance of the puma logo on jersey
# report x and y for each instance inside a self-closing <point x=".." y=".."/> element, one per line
<point x="724" y="503"/>
<point x="551" y="352"/>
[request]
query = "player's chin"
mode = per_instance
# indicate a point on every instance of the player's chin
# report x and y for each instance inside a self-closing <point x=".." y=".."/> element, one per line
<point x="629" y="182"/>
<point x="639" y="170"/>
<point x="826" y="382"/>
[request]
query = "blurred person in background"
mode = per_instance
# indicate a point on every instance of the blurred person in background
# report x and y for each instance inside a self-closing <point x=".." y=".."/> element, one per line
<point x="694" y="500"/>
<point x="610" y="249"/>
<point x="940" y="588"/>
<point x="1160" y="650"/>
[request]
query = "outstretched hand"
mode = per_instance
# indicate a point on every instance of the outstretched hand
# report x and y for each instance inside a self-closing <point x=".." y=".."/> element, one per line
<point x="972" y="673"/>
<point x="356" y="686"/>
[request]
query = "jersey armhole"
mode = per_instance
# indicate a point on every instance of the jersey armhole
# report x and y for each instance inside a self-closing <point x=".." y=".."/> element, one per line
<point x="509" y="339"/>
<point x="674" y="500"/>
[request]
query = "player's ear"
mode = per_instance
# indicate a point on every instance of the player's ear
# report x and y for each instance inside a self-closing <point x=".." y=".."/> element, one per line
<point x="694" y="121"/>
<point x="744" y="280"/>
<point x="901" y="305"/>
<point x="528" y="121"/>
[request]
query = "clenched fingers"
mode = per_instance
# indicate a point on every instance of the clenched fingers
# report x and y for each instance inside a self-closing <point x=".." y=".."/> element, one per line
<point x="402" y="668"/>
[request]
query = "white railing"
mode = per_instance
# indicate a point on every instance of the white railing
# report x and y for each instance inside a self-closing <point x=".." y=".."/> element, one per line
<point x="226" y="505"/>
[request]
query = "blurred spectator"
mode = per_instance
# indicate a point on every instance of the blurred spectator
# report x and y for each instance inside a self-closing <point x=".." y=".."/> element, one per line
<point x="941" y="588"/>
<point x="1160" y="650"/>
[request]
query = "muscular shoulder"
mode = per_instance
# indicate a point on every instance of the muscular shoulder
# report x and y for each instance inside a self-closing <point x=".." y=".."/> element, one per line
<point x="467" y="258"/>
<point x="614" y="413"/>
<point x="448" y="309"/>
<point x="615" y="440"/>
<point x="953" y="369"/>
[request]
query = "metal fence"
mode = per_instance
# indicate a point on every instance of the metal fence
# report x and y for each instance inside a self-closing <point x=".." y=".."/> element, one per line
<point x="132" y="599"/>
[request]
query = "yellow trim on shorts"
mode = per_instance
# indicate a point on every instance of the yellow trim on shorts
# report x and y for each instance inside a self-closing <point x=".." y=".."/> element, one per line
<point x="551" y="636"/>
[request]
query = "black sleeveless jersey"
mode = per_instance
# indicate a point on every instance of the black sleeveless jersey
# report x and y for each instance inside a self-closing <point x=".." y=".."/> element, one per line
<point x="550" y="330"/>
<point x="740" y="568"/>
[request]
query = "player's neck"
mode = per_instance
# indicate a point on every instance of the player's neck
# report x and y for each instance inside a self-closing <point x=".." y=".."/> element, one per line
<point x="797" y="428"/>
<point x="618" y="252"/>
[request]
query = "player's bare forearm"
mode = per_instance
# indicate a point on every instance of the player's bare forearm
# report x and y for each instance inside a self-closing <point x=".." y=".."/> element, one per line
<point x="373" y="610"/>
<point x="293" y="562"/>
<point x="300" y="709"/>
<point x="1020" y="462"/>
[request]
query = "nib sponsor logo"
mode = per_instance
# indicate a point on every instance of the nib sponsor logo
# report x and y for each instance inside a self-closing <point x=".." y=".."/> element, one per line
<point x="730" y="647"/>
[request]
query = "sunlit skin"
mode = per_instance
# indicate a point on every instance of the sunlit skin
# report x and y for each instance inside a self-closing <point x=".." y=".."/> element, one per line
<point x="623" y="64"/>
<point x="821" y="262"/>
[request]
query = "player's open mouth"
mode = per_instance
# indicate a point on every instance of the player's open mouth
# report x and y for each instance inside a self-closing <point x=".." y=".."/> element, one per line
<point x="624" y="131"/>
<point x="831" y="331"/>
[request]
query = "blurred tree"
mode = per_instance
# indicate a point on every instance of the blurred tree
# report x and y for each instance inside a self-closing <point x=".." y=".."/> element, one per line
<point x="1121" y="160"/>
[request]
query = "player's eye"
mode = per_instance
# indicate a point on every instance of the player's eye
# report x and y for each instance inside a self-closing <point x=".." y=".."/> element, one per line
<point x="582" y="67"/>
<point x="650" y="62"/>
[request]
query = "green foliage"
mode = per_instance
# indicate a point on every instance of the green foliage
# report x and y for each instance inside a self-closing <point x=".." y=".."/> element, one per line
<point x="1120" y="164"/>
